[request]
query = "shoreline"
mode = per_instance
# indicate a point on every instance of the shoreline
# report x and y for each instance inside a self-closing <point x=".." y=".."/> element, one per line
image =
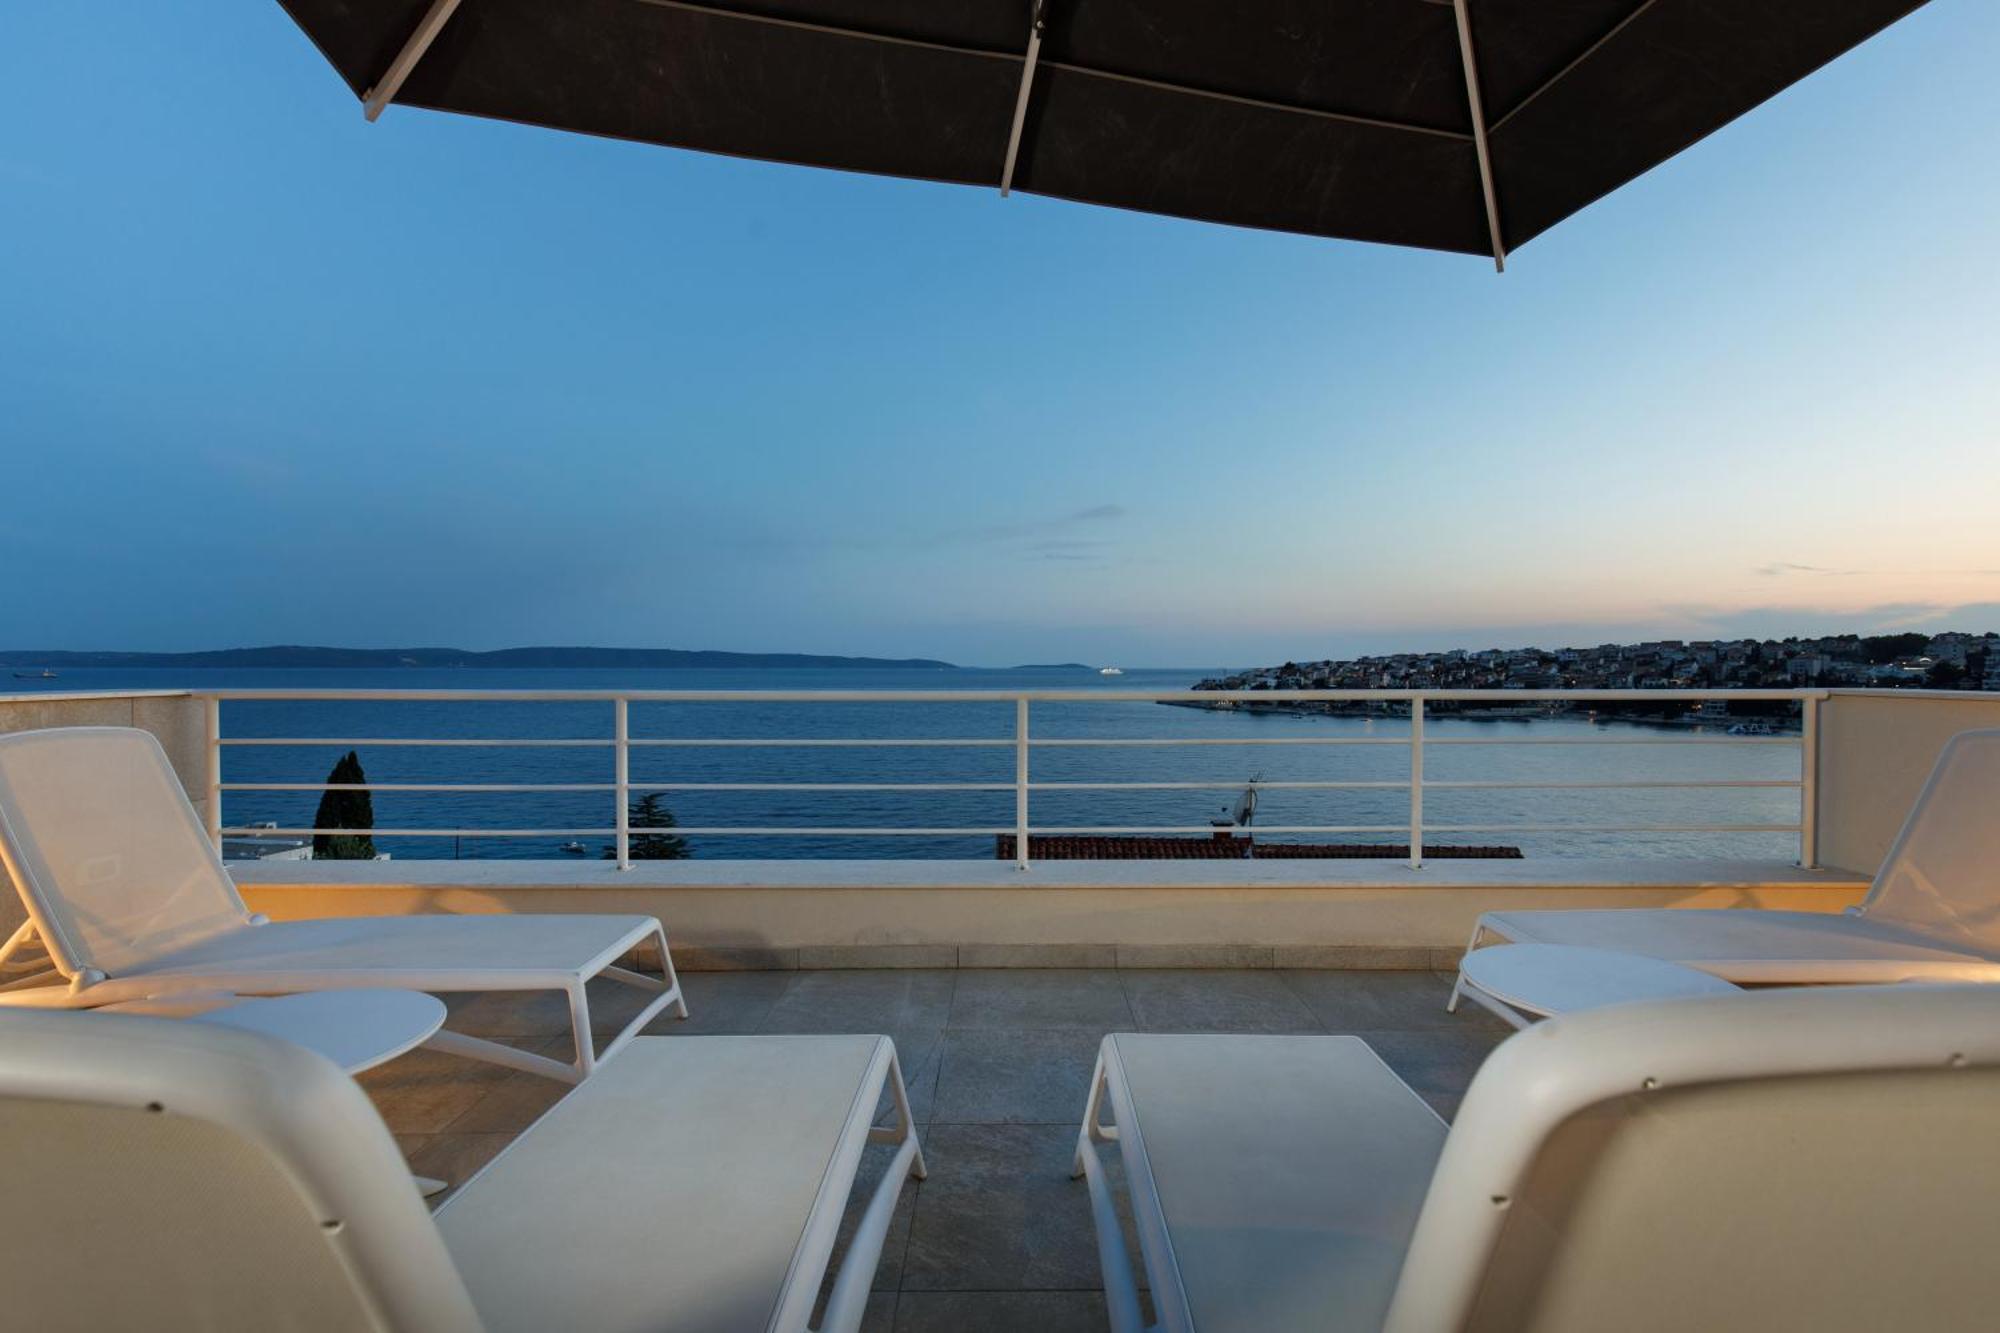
<point x="1435" y="712"/>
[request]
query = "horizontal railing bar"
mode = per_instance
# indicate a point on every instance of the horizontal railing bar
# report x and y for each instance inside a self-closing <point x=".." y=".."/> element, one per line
<point x="1401" y="741"/>
<point x="1597" y="786"/>
<point x="421" y="832"/>
<point x="973" y="786"/>
<point x="727" y="830"/>
<point x="766" y="742"/>
<point x="1621" y="740"/>
<point x="417" y="786"/>
<point x="1238" y="785"/>
<point x="1009" y="696"/>
<point x="1094" y="829"/>
<point x="808" y="832"/>
<point x="823" y="786"/>
<point x="658" y="786"/>
<point x="775" y="832"/>
<point x="606" y="743"/>
<point x="1611" y="828"/>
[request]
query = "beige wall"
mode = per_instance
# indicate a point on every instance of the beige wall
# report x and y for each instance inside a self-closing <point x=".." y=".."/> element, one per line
<point x="175" y="718"/>
<point x="978" y="913"/>
<point x="1875" y="751"/>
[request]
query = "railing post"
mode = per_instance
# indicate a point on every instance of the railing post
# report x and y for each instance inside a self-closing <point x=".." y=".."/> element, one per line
<point x="1809" y="783"/>
<point x="622" y="759"/>
<point x="211" y="712"/>
<point x="1416" y="784"/>
<point x="1021" y="783"/>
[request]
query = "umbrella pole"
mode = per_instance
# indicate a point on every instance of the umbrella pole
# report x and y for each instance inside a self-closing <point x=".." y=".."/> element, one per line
<point x="1472" y="96"/>
<point x="1039" y="22"/>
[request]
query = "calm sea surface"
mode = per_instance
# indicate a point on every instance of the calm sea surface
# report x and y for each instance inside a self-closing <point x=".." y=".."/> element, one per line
<point x="966" y="721"/>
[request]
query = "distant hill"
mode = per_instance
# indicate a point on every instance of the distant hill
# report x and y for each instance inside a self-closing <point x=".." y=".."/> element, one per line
<point x="290" y="655"/>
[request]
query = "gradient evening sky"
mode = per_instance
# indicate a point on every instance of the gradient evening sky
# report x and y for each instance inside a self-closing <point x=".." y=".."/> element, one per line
<point x="271" y="374"/>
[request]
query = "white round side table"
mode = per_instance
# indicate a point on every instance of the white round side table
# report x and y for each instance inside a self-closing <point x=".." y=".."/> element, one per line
<point x="1522" y="982"/>
<point x="356" y="1029"/>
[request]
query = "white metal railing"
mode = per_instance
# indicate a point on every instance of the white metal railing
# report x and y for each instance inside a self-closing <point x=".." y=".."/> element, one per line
<point x="622" y="743"/>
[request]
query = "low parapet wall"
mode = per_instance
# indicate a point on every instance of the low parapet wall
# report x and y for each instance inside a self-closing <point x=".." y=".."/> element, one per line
<point x="1078" y="914"/>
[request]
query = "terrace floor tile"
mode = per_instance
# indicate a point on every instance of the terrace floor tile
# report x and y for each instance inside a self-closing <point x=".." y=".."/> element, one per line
<point x="1000" y="1213"/>
<point x="1177" y="1000"/>
<point x="1090" y="1000"/>
<point x="887" y="1001"/>
<point x="1001" y="1077"/>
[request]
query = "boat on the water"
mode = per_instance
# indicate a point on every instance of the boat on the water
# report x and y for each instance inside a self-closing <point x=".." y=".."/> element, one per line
<point x="573" y="848"/>
<point x="1110" y="671"/>
<point x="43" y="674"/>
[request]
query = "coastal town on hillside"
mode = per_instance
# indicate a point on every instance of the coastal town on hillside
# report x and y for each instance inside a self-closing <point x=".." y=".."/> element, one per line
<point x="1955" y="661"/>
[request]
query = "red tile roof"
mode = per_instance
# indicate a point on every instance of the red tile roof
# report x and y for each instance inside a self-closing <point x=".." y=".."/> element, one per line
<point x="1089" y="848"/>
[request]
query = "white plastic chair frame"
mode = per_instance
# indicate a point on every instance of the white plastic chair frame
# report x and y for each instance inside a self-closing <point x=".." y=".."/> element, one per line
<point x="339" y="1166"/>
<point x="1540" y="1080"/>
<point x="1932" y="913"/>
<point x="203" y="905"/>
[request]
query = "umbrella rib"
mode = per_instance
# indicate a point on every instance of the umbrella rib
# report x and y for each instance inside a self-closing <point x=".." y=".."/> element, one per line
<point x="1035" y="29"/>
<point x="1479" y="133"/>
<point x="391" y="82"/>
<point x="859" y="34"/>
<point x="1563" y="73"/>
<point x="1290" y="108"/>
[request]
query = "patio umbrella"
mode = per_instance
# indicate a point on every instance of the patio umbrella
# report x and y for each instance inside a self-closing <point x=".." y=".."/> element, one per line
<point x="1462" y="125"/>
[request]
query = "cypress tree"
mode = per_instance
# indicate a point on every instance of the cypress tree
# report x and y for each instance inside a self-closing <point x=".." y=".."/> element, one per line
<point x="345" y="810"/>
<point x="650" y="812"/>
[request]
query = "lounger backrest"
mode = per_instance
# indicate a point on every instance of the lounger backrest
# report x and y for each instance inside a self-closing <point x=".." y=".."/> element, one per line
<point x="107" y="855"/>
<point x="1805" y="1159"/>
<point x="174" y="1176"/>
<point x="1942" y="875"/>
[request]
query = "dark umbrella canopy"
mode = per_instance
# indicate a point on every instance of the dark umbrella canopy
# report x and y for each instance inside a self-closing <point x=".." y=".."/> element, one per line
<point x="1470" y="126"/>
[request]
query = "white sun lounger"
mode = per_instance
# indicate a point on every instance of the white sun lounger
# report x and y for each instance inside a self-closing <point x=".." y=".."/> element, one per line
<point x="127" y="894"/>
<point x="1933" y="913"/>
<point x="181" y="1176"/>
<point x="1799" y="1159"/>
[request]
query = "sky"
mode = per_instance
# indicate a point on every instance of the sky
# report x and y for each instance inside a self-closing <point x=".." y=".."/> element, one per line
<point x="272" y="374"/>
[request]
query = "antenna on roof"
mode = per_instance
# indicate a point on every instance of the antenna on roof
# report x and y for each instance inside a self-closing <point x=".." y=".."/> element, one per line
<point x="1243" y="812"/>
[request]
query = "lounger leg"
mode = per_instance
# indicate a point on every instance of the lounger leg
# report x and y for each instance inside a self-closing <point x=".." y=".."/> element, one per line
<point x="1451" y="1005"/>
<point x="1518" y="1018"/>
<point x="1094" y="1129"/>
<point x="668" y="981"/>
<point x="493" y="1052"/>
<point x="22" y="934"/>
<point x="579" y="1022"/>
<point x="905" y="1128"/>
<point x="1121" y="1293"/>
<point x="670" y="977"/>
<point x="668" y="985"/>
<point x="848" y="1300"/>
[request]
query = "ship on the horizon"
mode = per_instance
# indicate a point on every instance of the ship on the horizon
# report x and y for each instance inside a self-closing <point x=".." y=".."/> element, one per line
<point x="1111" y="671"/>
<point x="43" y="674"/>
